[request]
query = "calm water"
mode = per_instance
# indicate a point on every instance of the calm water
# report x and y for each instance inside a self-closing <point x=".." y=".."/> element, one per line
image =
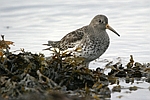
<point x="30" y="23"/>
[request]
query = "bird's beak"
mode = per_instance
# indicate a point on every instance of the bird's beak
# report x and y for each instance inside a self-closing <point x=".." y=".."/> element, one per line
<point x="110" y="28"/>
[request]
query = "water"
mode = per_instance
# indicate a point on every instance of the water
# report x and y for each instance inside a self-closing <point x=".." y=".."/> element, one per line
<point x="30" y="23"/>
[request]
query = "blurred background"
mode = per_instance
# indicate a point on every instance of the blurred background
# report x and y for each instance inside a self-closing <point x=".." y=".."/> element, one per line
<point x="31" y="23"/>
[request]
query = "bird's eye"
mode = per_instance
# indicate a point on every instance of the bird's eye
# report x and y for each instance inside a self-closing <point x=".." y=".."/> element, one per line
<point x="100" y="21"/>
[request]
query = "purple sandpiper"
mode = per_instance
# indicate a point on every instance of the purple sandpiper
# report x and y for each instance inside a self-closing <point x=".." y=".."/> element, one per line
<point x="92" y="39"/>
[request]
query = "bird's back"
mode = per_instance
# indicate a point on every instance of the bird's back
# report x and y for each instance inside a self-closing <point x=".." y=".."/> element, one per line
<point x="70" y="40"/>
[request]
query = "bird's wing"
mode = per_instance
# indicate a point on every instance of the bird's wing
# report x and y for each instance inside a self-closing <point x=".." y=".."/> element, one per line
<point x="72" y="39"/>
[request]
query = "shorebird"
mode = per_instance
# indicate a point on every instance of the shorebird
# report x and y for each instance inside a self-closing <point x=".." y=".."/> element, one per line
<point x="92" y="39"/>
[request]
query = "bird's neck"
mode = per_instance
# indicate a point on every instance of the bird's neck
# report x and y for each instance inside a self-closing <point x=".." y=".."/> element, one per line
<point x="95" y="31"/>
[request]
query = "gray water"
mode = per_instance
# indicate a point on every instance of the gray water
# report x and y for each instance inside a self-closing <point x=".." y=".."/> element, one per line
<point x="30" y="23"/>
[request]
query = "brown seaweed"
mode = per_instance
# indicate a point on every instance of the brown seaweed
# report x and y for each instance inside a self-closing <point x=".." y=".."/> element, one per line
<point x="62" y="75"/>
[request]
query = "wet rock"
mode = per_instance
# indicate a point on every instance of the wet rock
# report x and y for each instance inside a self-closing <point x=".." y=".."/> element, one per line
<point x="121" y="74"/>
<point x="116" y="88"/>
<point x="137" y="74"/>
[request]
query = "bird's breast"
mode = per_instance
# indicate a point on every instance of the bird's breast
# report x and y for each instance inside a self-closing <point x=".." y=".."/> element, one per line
<point x="94" y="47"/>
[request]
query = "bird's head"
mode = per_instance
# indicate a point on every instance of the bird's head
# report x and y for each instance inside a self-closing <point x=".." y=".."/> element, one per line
<point x="101" y="22"/>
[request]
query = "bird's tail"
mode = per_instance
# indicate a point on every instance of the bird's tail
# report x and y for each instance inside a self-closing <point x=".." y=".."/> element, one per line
<point x="53" y="44"/>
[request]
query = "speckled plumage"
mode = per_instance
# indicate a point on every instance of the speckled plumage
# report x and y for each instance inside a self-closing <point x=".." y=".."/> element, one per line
<point x="93" y="39"/>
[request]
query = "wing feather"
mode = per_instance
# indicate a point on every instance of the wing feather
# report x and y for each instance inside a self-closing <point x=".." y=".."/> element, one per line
<point x="72" y="38"/>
